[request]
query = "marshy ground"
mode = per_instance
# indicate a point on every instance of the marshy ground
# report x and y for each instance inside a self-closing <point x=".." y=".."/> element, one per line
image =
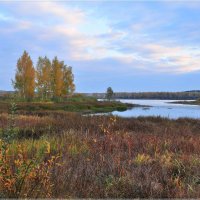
<point x="99" y="156"/>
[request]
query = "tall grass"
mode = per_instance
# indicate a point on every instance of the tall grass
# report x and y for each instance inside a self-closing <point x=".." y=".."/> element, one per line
<point x="22" y="173"/>
<point x="103" y="157"/>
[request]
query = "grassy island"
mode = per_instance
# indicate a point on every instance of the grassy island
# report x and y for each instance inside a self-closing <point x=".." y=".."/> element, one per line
<point x="76" y="103"/>
<point x="193" y="102"/>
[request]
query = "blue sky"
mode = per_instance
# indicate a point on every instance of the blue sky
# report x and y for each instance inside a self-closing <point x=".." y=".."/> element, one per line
<point x="128" y="45"/>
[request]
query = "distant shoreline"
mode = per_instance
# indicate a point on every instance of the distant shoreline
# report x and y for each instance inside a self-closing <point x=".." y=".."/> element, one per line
<point x="195" y="102"/>
<point x="187" y="95"/>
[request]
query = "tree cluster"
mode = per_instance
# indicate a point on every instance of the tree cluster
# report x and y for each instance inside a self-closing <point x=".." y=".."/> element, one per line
<point x="187" y="95"/>
<point x="158" y="95"/>
<point x="50" y="79"/>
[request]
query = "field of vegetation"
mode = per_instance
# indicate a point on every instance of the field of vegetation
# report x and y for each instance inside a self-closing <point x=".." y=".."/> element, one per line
<point x="74" y="104"/>
<point x="59" y="154"/>
<point x="50" y="149"/>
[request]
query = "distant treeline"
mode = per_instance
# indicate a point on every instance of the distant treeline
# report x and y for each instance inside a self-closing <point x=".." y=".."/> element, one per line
<point x="188" y="95"/>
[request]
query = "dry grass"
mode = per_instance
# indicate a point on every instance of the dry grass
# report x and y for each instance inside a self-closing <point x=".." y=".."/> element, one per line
<point x="108" y="157"/>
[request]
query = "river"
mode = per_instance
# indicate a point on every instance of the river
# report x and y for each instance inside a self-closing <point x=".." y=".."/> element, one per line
<point x="162" y="108"/>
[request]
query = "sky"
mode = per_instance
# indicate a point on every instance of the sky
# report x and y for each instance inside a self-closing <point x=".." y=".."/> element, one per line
<point x="132" y="46"/>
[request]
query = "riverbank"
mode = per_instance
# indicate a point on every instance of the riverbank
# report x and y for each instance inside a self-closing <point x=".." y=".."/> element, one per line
<point x="79" y="104"/>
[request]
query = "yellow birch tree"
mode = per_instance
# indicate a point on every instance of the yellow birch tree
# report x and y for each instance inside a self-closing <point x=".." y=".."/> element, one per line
<point x="57" y="77"/>
<point x="68" y="81"/>
<point x="44" y="77"/>
<point x="24" y="82"/>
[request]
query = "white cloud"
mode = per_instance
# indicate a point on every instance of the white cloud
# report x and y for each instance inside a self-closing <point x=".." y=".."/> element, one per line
<point x="173" y="59"/>
<point x="79" y="35"/>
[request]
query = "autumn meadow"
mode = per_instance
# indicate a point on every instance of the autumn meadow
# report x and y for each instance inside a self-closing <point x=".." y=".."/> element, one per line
<point x="51" y="148"/>
<point x="99" y="99"/>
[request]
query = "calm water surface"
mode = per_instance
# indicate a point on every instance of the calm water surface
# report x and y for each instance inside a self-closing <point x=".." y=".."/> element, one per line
<point x="161" y="108"/>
